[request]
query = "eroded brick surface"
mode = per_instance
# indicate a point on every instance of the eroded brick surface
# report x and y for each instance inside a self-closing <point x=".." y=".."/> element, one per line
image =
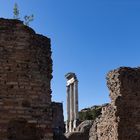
<point x="25" y="74"/>
<point x="58" y="124"/>
<point x="120" y="120"/>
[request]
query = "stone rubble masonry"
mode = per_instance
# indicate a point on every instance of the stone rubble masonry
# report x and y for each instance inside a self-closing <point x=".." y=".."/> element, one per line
<point x="25" y="75"/>
<point x="58" y="121"/>
<point x="58" y="118"/>
<point x="120" y="120"/>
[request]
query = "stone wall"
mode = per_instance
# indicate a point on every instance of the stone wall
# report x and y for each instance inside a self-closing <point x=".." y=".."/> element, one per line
<point x="57" y="120"/>
<point x="121" y="119"/>
<point x="25" y="74"/>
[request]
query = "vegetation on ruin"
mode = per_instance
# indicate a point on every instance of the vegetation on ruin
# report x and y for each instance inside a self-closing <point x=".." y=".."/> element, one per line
<point x="90" y="113"/>
<point x="27" y="18"/>
<point x="16" y="11"/>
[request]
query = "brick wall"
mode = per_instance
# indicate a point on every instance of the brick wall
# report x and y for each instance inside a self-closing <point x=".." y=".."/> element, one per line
<point x="58" y="121"/>
<point x="120" y="120"/>
<point x="25" y="75"/>
<point x="58" y="118"/>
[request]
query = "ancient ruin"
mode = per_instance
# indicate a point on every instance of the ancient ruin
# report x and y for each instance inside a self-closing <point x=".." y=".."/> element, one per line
<point x="25" y="91"/>
<point x="120" y="120"/>
<point x="27" y="111"/>
<point x="72" y="102"/>
<point x="58" y="125"/>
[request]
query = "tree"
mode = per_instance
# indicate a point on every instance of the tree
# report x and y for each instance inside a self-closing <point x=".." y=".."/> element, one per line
<point x="28" y="19"/>
<point x="16" y="11"/>
<point x="90" y="113"/>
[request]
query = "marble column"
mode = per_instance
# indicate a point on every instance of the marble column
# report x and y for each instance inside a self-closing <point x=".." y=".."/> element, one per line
<point x="72" y="102"/>
<point x="75" y="104"/>
<point x="68" y="108"/>
<point x="71" y="109"/>
<point x="76" y="101"/>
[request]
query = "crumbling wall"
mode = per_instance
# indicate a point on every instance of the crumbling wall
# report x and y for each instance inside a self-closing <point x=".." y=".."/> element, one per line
<point x="121" y="119"/>
<point x="25" y="74"/>
<point x="57" y="120"/>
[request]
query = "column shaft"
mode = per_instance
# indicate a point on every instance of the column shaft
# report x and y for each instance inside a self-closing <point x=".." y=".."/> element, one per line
<point x="72" y="96"/>
<point x="68" y="103"/>
<point x="71" y="109"/>
<point x="75" y="100"/>
<point x="68" y="109"/>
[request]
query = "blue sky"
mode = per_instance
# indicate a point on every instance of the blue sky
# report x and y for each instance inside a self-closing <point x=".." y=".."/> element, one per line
<point x="88" y="37"/>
